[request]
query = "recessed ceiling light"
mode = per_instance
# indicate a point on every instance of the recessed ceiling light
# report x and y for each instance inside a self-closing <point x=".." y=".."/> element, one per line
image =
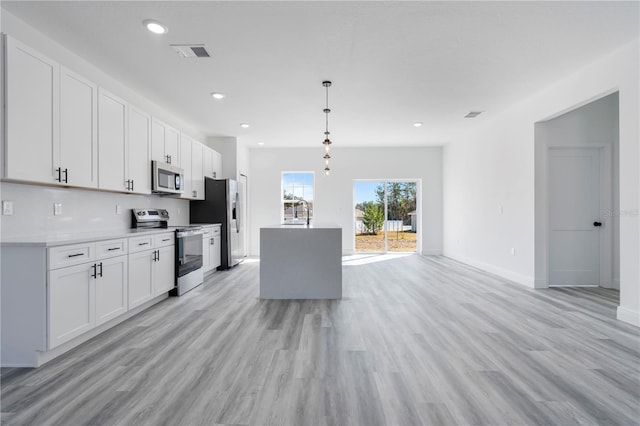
<point x="155" y="26"/>
<point x="217" y="95"/>
<point x="244" y="125"/>
<point x="417" y="124"/>
<point x="260" y="143"/>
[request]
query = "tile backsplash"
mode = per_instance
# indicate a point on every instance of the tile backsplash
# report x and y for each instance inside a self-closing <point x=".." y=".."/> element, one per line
<point x="82" y="210"/>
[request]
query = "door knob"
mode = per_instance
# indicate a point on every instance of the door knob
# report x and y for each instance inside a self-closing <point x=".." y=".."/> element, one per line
<point x="597" y="223"/>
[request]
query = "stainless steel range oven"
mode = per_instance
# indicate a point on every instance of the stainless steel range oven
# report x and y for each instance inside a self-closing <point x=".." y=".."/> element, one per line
<point x="188" y="258"/>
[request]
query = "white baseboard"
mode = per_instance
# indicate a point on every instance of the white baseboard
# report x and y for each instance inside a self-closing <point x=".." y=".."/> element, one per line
<point x="629" y="316"/>
<point x="504" y="273"/>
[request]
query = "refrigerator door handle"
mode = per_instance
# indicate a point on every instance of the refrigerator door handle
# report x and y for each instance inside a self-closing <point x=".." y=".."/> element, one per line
<point x="237" y="215"/>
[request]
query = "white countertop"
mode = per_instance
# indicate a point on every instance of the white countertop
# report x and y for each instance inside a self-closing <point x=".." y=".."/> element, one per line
<point x="83" y="237"/>
<point x="314" y="225"/>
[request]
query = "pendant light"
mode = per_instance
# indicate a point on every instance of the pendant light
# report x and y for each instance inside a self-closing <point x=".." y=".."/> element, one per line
<point x="327" y="141"/>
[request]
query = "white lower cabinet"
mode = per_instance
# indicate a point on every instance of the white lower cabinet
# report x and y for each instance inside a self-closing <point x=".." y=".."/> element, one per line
<point x="211" y="248"/>
<point x="140" y="277"/>
<point x="215" y="251"/>
<point x="164" y="273"/>
<point x="151" y="273"/>
<point x="111" y="289"/>
<point x="71" y="304"/>
<point x="87" y="295"/>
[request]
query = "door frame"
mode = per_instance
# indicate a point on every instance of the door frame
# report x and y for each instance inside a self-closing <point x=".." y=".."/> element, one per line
<point x="418" y="183"/>
<point x="606" y="207"/>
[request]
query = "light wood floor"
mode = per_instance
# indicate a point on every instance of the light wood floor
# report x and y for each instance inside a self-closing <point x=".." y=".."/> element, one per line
<point x="415" y="340"/>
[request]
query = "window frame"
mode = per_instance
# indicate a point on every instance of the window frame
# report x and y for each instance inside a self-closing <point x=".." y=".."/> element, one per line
<point x="282" y="187"/>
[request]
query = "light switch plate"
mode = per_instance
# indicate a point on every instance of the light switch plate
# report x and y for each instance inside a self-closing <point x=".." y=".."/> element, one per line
<point x="57" y="209"/>
<point x="7" y="208"/>
<point x="118" y="209"/>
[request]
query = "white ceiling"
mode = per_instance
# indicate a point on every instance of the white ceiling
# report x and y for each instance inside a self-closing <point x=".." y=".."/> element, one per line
<point x="391" y="63"/>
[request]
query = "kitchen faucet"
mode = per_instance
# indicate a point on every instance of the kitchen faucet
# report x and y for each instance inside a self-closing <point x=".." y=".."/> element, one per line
<point x="307" y="208"/>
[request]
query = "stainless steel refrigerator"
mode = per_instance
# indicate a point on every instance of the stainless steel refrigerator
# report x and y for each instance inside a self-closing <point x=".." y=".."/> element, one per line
<point x="223" y="204"/>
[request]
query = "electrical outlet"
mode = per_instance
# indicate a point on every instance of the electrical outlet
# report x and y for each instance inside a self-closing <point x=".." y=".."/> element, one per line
<point x="118" y="209"/>
<point x="57" y="209"/>
<point x="513" y="251"/>
<point x="7" y="208"/>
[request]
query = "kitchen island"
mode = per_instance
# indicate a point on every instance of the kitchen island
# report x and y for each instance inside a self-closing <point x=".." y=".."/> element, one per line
<point x="301" y="261"/>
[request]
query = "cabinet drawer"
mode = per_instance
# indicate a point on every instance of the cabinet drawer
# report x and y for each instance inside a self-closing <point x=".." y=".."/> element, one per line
<point x="207" y="232"/>
<point x="215" y="231"/>
<point x="75" y="254"/>
<point x="111" y="248"/>
<point x="140" y="243"/>
<point x="166" y="239"/>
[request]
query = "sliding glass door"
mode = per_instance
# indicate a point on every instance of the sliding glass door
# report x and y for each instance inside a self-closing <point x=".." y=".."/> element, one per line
<point x="385" y="216"/>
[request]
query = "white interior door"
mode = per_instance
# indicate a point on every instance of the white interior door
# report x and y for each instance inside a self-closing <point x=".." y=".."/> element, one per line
<point x="574" y="214"/>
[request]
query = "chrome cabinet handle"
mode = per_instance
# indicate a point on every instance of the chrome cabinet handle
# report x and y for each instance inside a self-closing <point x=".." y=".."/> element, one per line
<point x="113" y="248"/>
<point x="95" y="271"/>
<point x="75" y="255"/>
<point x="143" y="244"/>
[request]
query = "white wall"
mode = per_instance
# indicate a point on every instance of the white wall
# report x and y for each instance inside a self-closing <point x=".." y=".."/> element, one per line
<point x="495" y="166"/>
<point x="82" y="210"/>
<point x="334" y="194"/>
<point x="594" y="124"/>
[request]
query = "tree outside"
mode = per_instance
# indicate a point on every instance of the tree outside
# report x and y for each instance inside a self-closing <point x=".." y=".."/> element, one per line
<point x="373" y="218"/>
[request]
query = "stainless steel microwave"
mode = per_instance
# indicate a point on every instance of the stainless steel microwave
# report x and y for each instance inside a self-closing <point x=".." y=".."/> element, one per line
<point x="166" y="178"/>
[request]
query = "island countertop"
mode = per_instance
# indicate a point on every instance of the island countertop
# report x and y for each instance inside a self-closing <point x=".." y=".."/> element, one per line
<point x="301" y="262"/>
<point x="313" y="225"/>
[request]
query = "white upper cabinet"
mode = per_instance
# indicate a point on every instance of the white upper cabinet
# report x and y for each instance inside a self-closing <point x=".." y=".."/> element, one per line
<point x="165" y="143"/>
<point x="112" y="142"/>
<point x="139" y="158"/>
<point x="32" y="121"/>
<point x="78" y="130"/>
<point x="186" y="144"/>
<point x="197" y="170"/>
<point x="191" y="154"/>
<point x="212" y="163"/>
<point x="63" y="129"/>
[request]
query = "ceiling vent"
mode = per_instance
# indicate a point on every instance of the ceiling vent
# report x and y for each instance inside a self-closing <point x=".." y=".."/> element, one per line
<point x="191" y="50"/>
<point x="473" y="114"/>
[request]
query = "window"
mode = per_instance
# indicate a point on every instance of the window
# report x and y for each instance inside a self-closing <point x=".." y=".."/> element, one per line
<point x="296" y="186"/>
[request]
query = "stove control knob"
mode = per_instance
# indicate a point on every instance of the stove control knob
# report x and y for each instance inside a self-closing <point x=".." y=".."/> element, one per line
<point x="140" y="213"/>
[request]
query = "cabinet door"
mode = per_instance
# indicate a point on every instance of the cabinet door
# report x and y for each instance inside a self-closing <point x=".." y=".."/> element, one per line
<point x="172" y="146"/>
<point x="139" y="151"/>
<point x="78" y="133"/>
<point x="197" y="170"/>
<point x="217" y="165"/>
<point x="206" y="249"/>
<point x="185" y="152"/>
<point x="140" y="287"/>
<point x="32" y="108"/>
<point x="112" y="142"/>
<point x="164" y="278"/>
<point x="208" y="162"/>
<point x="215" y="253"/>
<point x="157" y="141"/>
<point x="71" y="303"/>
<point x="111" y="289"/>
